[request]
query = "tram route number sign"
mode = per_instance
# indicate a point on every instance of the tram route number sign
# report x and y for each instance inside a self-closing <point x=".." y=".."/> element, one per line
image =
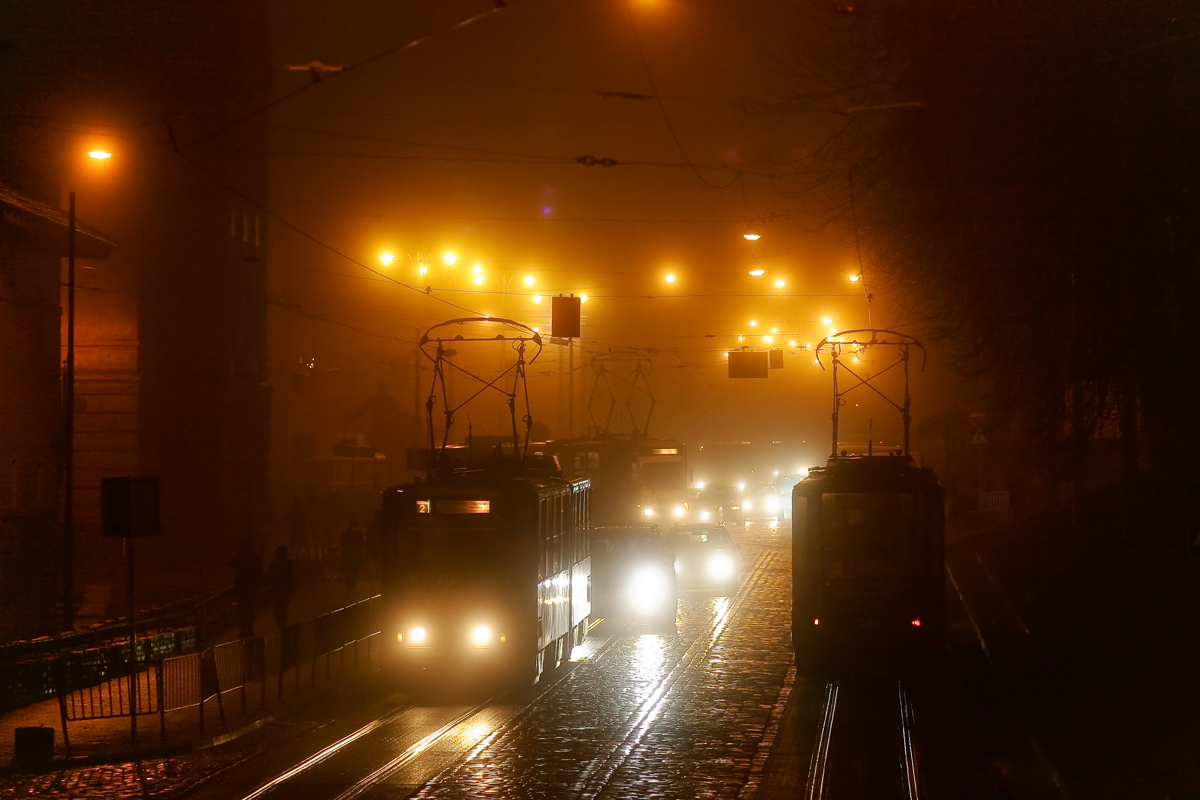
<point x="129" y="507"/>
<point x="454" y="506"/>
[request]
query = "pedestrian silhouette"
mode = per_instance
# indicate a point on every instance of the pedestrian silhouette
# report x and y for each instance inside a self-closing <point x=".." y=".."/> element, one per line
<point x="281" y="577"/>
<point x="247" y="578"/>
<point x="352" y="545"/>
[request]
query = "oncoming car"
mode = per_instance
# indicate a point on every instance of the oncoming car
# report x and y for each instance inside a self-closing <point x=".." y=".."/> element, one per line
<point x="633" y="573"/>
<point x="762" y="504"/>
<point x="706" y="557"/>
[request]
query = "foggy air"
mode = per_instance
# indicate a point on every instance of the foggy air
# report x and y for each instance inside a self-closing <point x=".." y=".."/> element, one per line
<point x="531" y="398"/>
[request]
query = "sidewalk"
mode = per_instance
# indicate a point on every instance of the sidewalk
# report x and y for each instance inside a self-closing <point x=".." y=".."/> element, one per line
<point x="110" y="740"/>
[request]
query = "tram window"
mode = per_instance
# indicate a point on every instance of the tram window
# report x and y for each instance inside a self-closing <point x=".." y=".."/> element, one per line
<point x="867" y="535"/>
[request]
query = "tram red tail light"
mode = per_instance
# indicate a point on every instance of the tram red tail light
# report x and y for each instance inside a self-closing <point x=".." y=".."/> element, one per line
<point x="916" y="623"/>
<point x="816" y="622"/>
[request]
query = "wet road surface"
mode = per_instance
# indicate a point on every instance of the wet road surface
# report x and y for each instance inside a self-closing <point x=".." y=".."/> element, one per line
<point x="708" y="708"/>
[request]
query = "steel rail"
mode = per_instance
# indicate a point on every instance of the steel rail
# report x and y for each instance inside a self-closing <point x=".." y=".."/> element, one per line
<point x="406" y="757"/>
<point x="327" y="752"/>
<point x="818" y="764"/>
<point x="596" y="776"/>
<point x="1036" y="747"/>
<point x="411" y="752"/>
<point x="908" y="755"/>
<point x="393" y="766"/>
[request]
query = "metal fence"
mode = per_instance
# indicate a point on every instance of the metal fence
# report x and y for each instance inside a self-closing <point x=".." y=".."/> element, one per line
<point x="113" y="697"/>
<point x="239" y="671"/>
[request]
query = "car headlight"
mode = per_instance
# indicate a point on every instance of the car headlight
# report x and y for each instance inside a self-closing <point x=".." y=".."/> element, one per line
<point x="649" y="512"/>
<point x="417" y="635"/>
<point x="747" y="505"/>
<point x="677" y="511"/>
<point x="704" y="515"/>
<point x="481" y="636"/>
<point x="720" y="567"/>
<point x="648" y="589"/>
<point x="773" y="504"/>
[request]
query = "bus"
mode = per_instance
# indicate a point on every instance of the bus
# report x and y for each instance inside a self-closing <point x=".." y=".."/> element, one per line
<point x="867" y="564"/>
<point x="486" y="569"/>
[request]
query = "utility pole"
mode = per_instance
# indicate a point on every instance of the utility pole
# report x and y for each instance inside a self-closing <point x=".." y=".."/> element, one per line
<point x="571" y="389"/>
<point x="416" y="420"/>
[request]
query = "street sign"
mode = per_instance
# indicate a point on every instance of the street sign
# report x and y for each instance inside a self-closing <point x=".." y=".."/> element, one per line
<point x="746" y="364"/>
<point x="129" y="507"/>
<point x="564" y="317"/>
<point x="978" y="438"/>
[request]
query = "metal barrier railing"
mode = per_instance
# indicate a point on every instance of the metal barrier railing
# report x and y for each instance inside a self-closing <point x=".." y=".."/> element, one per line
<point x="114" y="698"/>
<point x="244" y="666"/>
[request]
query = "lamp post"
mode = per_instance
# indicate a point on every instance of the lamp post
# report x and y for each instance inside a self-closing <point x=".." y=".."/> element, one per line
<point x="68" y="532"/>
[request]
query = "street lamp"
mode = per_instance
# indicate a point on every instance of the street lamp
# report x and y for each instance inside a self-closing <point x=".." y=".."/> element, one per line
<point x="69" y="432"/>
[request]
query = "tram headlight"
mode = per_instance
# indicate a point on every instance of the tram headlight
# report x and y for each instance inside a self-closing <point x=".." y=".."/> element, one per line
<point x="648" y="589"/>
<point x="720" y="567"/>
<point x="649" y="512"/>
<point x="705" y="515"/>
<point x="417" y="635"/>
<point x="481" y="636"/>
<point x="677" y="511"/>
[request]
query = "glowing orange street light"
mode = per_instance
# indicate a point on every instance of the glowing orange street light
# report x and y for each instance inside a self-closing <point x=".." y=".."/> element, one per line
<point x="780" y="283"/>
<point x="99" y="154"/>
<point x="753" y="323"/>
<point x="854" y="278"/>
<point x="477" y="269"/>
<point x="386" y="259"/>
<point x="583" y="298"/>
<point x="757" y="272"/>
<point x="478" y="279"/>
<point x="669" y="278"/>
<point x="537" y="298"/>
<point x="529" y="280"/>
<point x="827" y="320"/>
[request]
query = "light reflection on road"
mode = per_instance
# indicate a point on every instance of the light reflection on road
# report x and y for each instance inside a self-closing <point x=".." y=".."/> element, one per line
<point x="649" y="657"/>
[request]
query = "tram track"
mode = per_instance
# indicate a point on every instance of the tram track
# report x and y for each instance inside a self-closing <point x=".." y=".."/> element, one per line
<point x="894" y="769"/>
<point x="468" y="730"/>
<point x="1008" y="646"/>
<point x="597" y="775"/>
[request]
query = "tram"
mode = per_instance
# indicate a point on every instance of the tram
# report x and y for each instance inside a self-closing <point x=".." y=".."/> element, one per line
<point x="868" y="533"/>
<point x="486" y="570"/>
<point x="867" y="564"/>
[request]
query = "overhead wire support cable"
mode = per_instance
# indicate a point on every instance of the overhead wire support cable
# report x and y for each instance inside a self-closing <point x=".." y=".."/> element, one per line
<point x="334" y="73"/>
<point x="663" y="110"/>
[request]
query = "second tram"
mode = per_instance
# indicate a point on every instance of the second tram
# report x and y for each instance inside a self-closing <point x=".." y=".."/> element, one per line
<point x="486" y="569"/>
<point x="867" y="564"/>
